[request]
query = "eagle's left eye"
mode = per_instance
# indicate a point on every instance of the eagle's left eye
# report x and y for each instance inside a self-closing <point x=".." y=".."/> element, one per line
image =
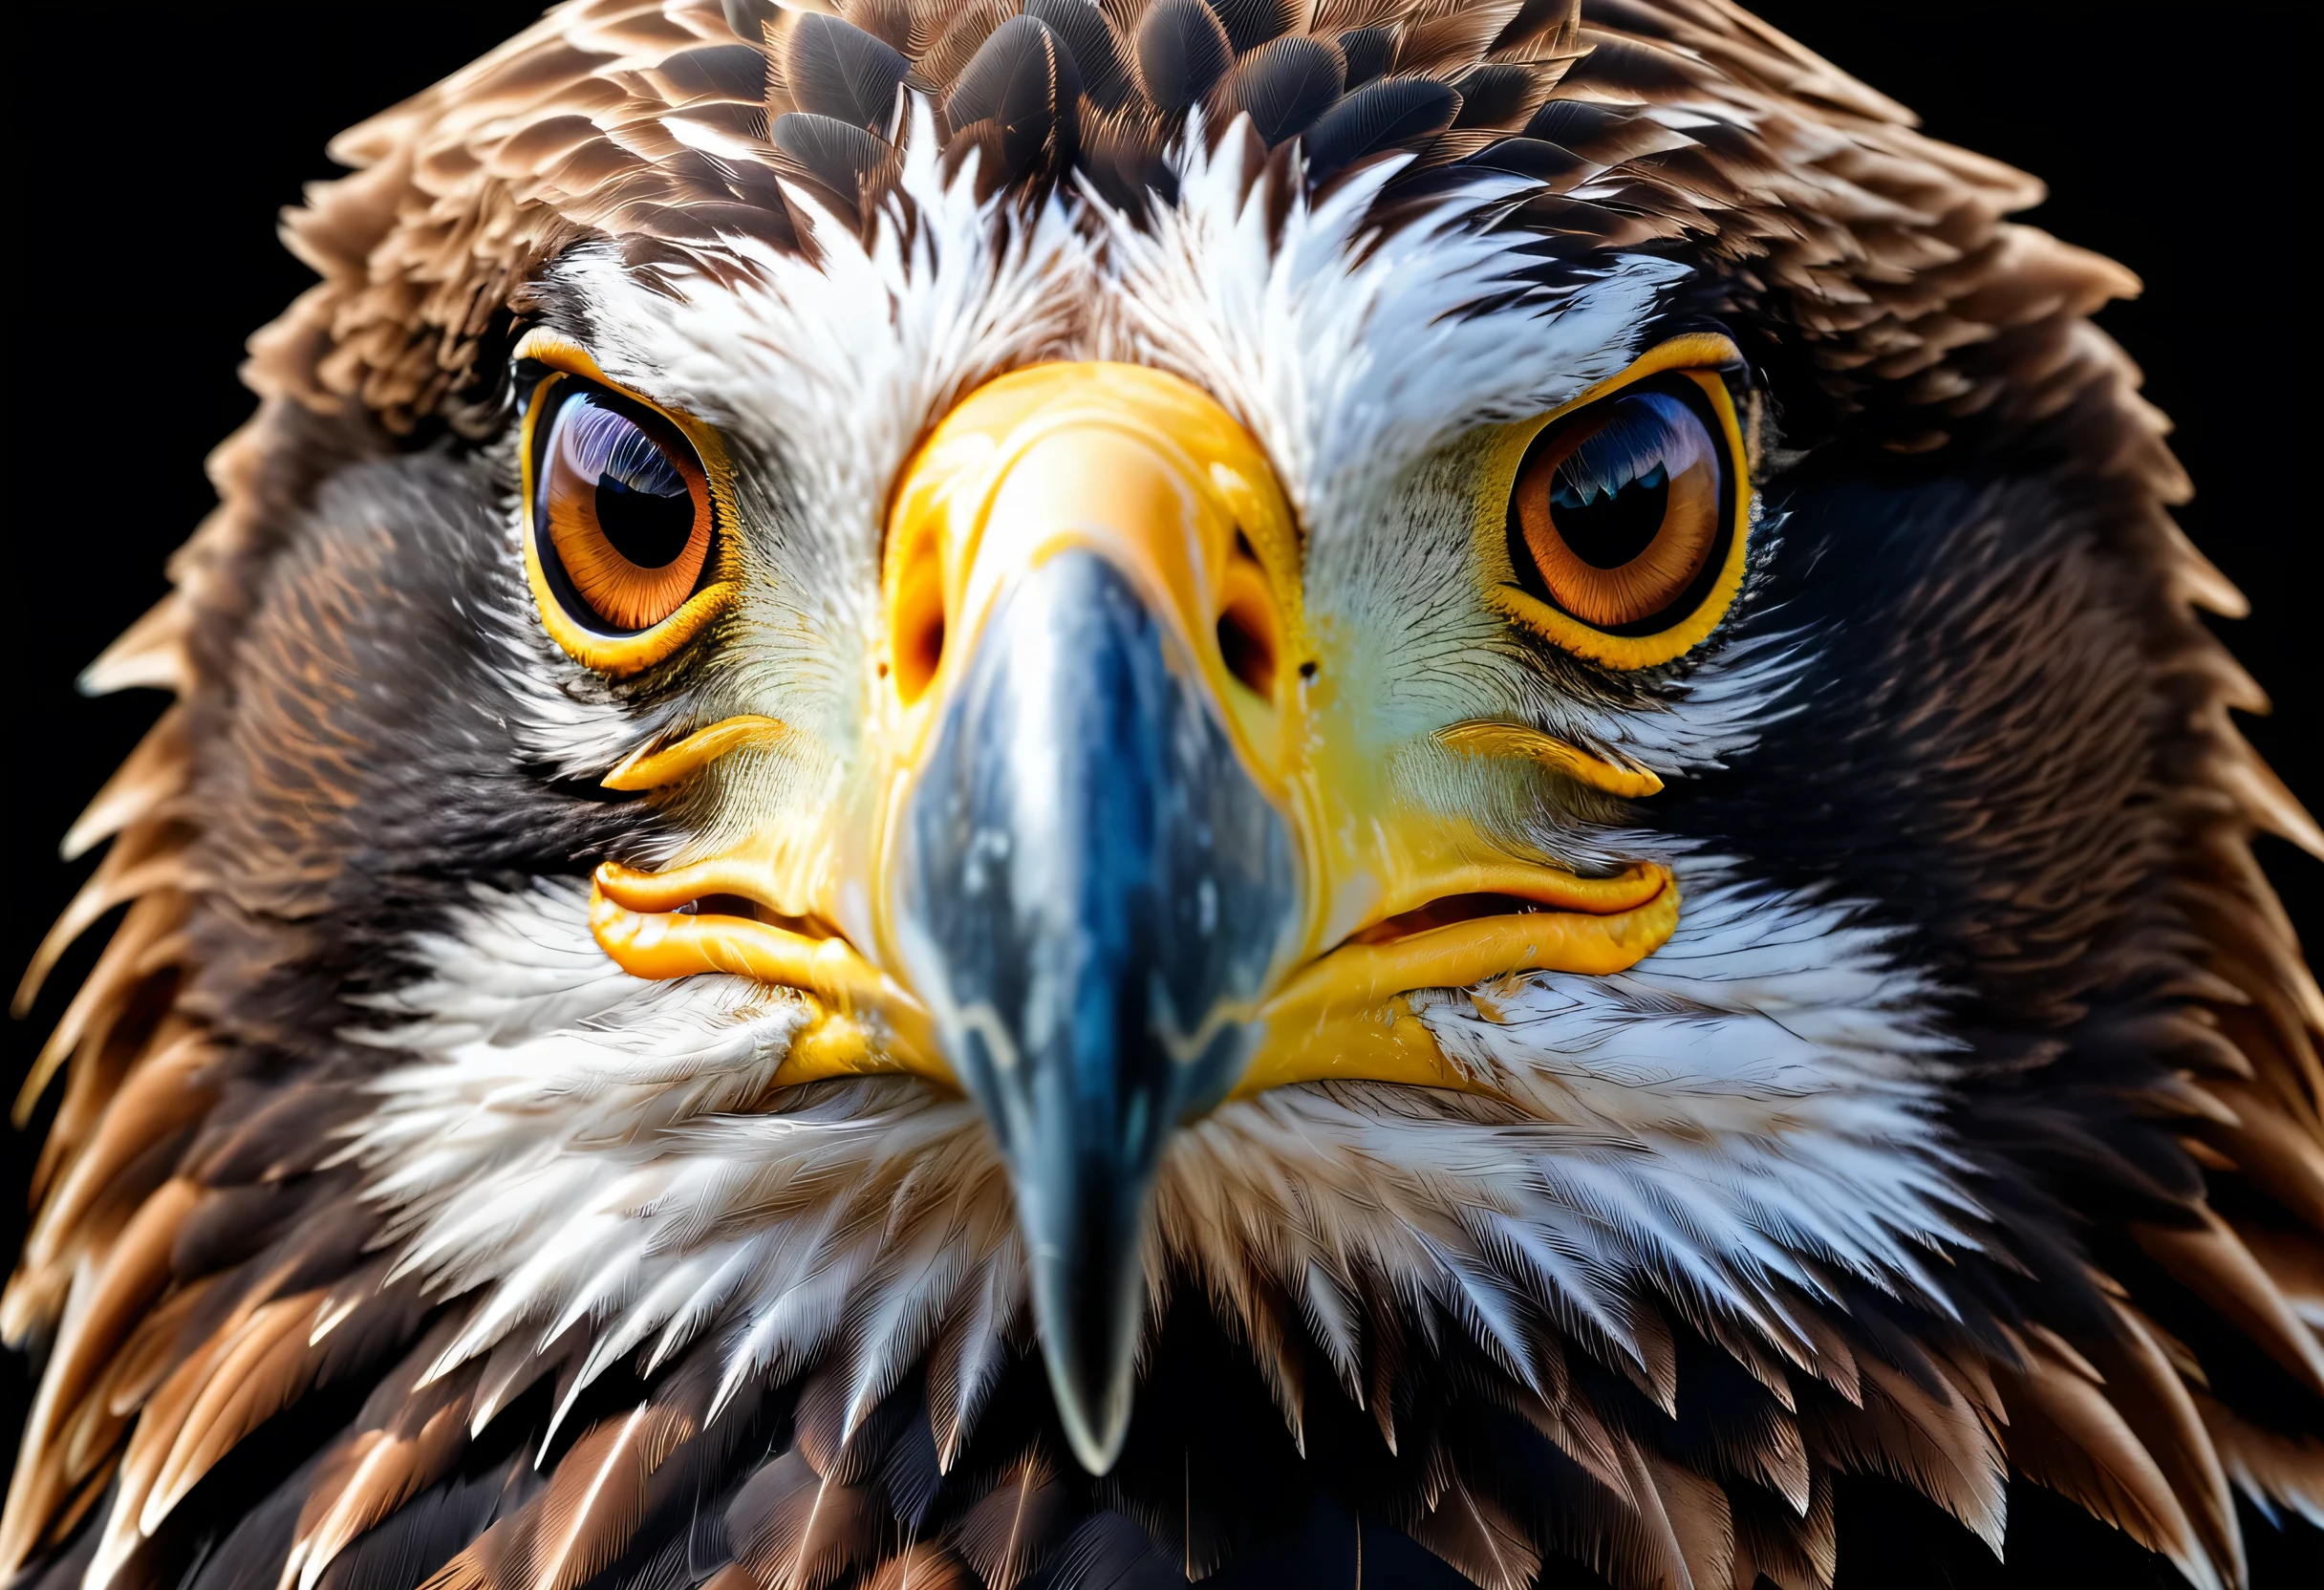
<point x="623" y="510"/>
<point x="622" y="542"/>
<point x="1616" y="514"/>
<point x="1621" y="533"/>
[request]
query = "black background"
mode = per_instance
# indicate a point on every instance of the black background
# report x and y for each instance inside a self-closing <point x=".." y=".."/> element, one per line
<point x="156" y="145"/>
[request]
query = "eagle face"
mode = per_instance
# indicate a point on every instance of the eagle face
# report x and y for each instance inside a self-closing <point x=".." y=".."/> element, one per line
<point x="1486" y="708"/>
<point x="1027" y="730"/>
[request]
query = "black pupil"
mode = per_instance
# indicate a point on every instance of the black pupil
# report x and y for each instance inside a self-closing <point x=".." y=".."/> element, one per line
<point x="1610" y="529"/>
<point x="648" y="527"/>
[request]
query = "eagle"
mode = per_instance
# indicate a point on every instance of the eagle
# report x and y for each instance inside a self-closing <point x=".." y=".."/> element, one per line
<point x="1066" y="793"/>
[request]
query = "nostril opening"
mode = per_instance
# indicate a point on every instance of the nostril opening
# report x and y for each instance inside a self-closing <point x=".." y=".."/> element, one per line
<point x="919" y="635"/>
<point x="1246" y="621"/>
<point x="1248" y="649"/>
<point x="927" y="647"/>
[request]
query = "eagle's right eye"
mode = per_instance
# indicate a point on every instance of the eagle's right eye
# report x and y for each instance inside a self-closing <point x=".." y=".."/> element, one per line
<point x="1618" y="513"/>
<point x="623" y="512"/>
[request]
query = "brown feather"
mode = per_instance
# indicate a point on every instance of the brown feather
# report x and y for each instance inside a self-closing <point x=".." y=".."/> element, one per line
<point x="167" y="1413"/>
<point x="271" y="1363"/>
<point x="921" y="1567"/>
<point x="596" y="1497"/>
<point x="154" y="774"/>
<point x="1679" y="1529"/>
<point x="149" y="941"/>
<point x="135" y="1268"/>
<point x="1333" y="17"/>
<point x="1005" y="1535"/>
<point x="369" y="1477"/>
<point x="104" y="1183"/>
<point x="2147" y="1392"/>
<point x="2283" y="1471"/>
<point x="2274" y="1141"/>
<point x="2213" y="1263"/>
<point x="150" y="654"/>
<point x="2066" y="1433"/>
<point x="965" y="1359"/>
<point x="1936" y="1443"/>
<point x="1473" y="1533"/>
<point x="1795" y="1553"/>
<point x="795" y="1529"/>
<point x="148" y="856"/>
<point x="1446" y="37"/>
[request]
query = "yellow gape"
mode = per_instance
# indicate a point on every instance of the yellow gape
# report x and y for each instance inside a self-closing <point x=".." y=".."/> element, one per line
<point x="1152" y="475"/>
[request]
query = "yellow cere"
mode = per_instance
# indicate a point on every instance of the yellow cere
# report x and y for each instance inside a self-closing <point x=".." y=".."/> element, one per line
<point x="1130" y="462"/>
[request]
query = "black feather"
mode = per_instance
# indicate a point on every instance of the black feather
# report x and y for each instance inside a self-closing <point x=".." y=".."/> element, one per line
<point x="1492" y="96"/>
<point x="66" y="1570"/>
<point x="249" y="1557"/>
<point x="1182" y="53"/>
<point x="1252" y="23"/>
<point x="735" y="72"/>
<point x="667" y="1569"/>
<point x="1286" y="85"/>
<point x="232" y="1223"/>
<point x="1097" y="53"/>
<point x="1385" y="114"/>
<point x="907" y="1469"/>
<point x="1367" y="50"/>
<point x="1545" y="162"/>
<point x="748" y="19"/>
<point x="1596" y="133"/>
<point x="837" y="153"/>
<point x="407" y="1546"/>
<point x="1108" y="1552"/>
<point x="1024" y="81"/>
<point x="841" y="71"/>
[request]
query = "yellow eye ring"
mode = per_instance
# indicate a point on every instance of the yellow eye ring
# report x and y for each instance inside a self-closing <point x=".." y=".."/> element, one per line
<point x="1709" y="587"/>
<point x="606" y="612"/>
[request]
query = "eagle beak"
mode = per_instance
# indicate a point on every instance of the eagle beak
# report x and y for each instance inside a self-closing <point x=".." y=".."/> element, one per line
<point x="1091" y="891"/>
<point x="1089" y="885"/>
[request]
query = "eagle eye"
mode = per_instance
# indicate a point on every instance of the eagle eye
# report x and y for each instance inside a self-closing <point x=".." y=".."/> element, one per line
<point x="621" y="510"/>
<point x="1617" y="511"/>
<point x="620" y="525"/>
<point x="1626" y="517"/>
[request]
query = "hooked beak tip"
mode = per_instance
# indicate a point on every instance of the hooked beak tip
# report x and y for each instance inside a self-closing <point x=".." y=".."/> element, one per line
<point x="1095" y="1411"/>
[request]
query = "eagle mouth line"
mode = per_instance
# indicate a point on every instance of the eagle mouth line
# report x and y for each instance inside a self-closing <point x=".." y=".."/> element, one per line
<point x="1343" y="1014"/>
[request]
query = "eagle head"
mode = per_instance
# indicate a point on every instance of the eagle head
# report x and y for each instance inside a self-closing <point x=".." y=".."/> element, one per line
<point x="969" y="792"/>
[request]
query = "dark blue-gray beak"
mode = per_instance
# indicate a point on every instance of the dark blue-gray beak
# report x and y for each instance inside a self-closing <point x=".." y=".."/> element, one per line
<point x="1091" y="893"/>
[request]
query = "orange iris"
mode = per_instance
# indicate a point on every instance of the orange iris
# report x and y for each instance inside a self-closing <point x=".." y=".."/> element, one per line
<point x="1620" y="509"/>
<point x="626" y="509"/>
